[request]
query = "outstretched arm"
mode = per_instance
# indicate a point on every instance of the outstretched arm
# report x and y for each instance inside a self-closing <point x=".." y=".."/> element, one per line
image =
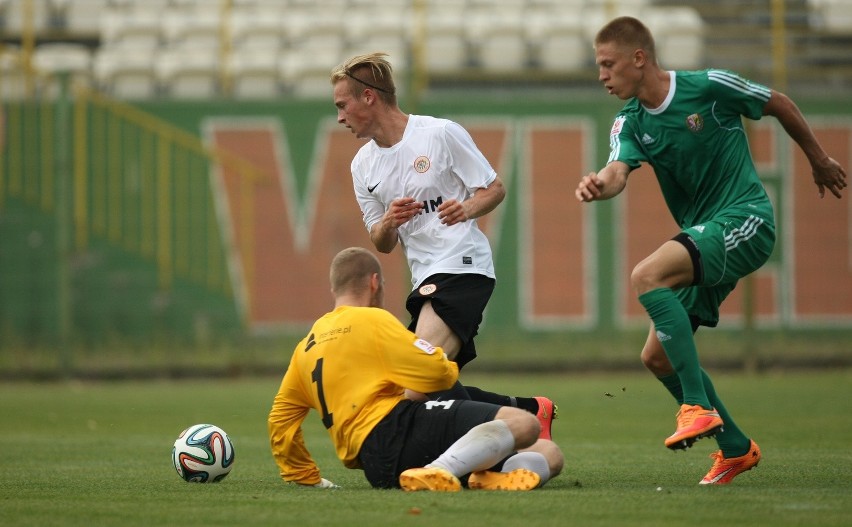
<point x="608" y="182"/>
<point x="827" y="173"/>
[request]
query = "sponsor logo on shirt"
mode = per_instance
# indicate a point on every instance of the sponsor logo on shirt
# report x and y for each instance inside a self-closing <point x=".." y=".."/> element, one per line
<point x="422" y="164"/>
<point x="467" y="260"/>
<point x="617" y="125"/>
<point x="695" y="122"/>
<point x="431" y="205"/>
<point x="335" y="331"/>
<point x="325" y="336"/>
<point x="371" y="189"/>
<point x="427" y="348"/>
<point x="647" y="139"/>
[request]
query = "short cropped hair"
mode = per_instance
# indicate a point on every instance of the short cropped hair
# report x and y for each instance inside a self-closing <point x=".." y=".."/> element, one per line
<point x="629" y="32"/>
<point x="351" y="270"/>
<point x="371" y="70"/>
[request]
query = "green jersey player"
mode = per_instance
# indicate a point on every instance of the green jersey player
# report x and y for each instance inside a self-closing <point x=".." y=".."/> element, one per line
<point x="688" y="127"/>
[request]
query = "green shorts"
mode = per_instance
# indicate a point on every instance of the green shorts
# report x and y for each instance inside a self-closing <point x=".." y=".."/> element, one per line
<point x="723" y="250"/>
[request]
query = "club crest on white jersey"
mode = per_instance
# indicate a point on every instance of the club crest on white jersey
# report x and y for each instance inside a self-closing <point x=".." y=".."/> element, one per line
<point x="422" y="164"/>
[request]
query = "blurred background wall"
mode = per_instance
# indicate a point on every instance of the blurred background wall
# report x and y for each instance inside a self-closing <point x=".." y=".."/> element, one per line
<point x="173" y="182"/>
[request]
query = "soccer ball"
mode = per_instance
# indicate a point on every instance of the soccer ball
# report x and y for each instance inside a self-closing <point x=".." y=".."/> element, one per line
<point x="203" y="454"/>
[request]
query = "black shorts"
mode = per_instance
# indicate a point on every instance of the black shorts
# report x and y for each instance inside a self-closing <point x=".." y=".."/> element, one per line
<point x="460" y="300"/>
<point x="417" y="433"/>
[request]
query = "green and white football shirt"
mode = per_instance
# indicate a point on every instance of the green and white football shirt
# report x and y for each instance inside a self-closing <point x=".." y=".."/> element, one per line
<point x="696" y="143"/>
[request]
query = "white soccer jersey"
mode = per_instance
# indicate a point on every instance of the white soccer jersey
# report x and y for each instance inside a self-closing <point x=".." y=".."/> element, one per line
<point x="435" y="161"/>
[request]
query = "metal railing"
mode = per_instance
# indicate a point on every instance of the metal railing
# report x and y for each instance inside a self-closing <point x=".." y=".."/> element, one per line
<point x="112" y="172"/>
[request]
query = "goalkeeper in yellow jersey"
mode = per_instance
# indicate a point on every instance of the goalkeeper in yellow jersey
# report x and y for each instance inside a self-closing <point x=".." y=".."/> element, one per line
<point x="353" y="369"/>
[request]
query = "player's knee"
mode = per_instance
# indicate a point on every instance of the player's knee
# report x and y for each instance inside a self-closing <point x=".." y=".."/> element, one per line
<point x="554" y="456"/>
<point x="643" y="278"/>
<point x="656" y="361"/>
<point x="529" y="430"/>
<point x="524" y="425"/>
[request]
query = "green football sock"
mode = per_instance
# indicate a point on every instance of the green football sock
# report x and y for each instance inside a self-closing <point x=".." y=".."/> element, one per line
<point x="672" y="384"/>
<point x="732" y="440"/>
<point x="674" y="332"/>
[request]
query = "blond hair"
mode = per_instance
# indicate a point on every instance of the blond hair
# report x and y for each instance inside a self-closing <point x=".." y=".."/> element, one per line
<point x="371" y="70"/>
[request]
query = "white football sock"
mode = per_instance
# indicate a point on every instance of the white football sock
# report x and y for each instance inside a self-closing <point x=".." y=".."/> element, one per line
<point x="482" y="447"/>
<point x="534" y="461"/>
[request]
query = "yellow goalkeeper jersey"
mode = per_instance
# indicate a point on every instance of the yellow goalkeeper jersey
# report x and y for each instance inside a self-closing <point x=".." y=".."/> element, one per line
<point x="352" y="368"/>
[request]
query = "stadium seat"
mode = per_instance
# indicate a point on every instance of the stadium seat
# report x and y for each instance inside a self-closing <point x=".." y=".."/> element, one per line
<point x="302" y="76"/>
<point x="833" y="16"/>
<point x="50" y="60"/>
<point x="13" y="11"/>
<point x="366" y="22"/>
<point x="371" y="29"/>
<point x="495" y="6"/>
<point x="308" y="22"/>
<point x="83" y="17"/>
<point x="559" y="42"/>
<point x="125" y="73"/>
<point x="187" y="72"/>
<point x="5" y="8"/>
<point x="139" y="5"/>
<point x="254" y="72"/>
<point x="610" y="9"/>
<point x="199" y="28"/>
<point x="679" y="36"/>
<point x="257" y="27"/>
<point x="396" y="46"/>
<point x="130" y="29"/>
<point x="596" y="13"/>
<point x="497" y="38"/>
<point x="446" y="47"/>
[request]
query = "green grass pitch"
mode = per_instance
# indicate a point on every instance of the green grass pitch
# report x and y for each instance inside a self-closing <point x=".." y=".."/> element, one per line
<point x="99" y="454"/>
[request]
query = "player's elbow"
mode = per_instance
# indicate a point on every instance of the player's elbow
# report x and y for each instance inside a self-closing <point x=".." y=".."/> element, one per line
<point x="497" y="192"/>
<point x="384" y="249"/>
<point x="383" y="243"/>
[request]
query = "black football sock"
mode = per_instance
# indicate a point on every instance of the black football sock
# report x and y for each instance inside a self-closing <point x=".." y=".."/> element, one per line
<point x="457" y="392"/>
<point x="525" y="403"/>
<point x="529" y="404"/>
<point x="489" y="397"/>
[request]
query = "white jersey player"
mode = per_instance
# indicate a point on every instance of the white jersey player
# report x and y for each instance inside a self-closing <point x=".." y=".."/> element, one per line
<point x="435" y="162"/>
<point x="422" y="182"/>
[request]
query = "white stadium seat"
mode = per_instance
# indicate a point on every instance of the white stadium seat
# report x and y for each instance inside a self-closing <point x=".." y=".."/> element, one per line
<point x="254" y="72"/>
<point x="186" y="72"/>
<point x="678" y="35"/>
<point x="125" y="73"/>
<point x="834" y="16"/>
<point x="132" y="29"/>
<point x="83" y="17"/>
<point x="255" y="27"/>
<point x="498" y="39"/>
<point x="193" y="29"/>
<point x="560" y="43"/>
